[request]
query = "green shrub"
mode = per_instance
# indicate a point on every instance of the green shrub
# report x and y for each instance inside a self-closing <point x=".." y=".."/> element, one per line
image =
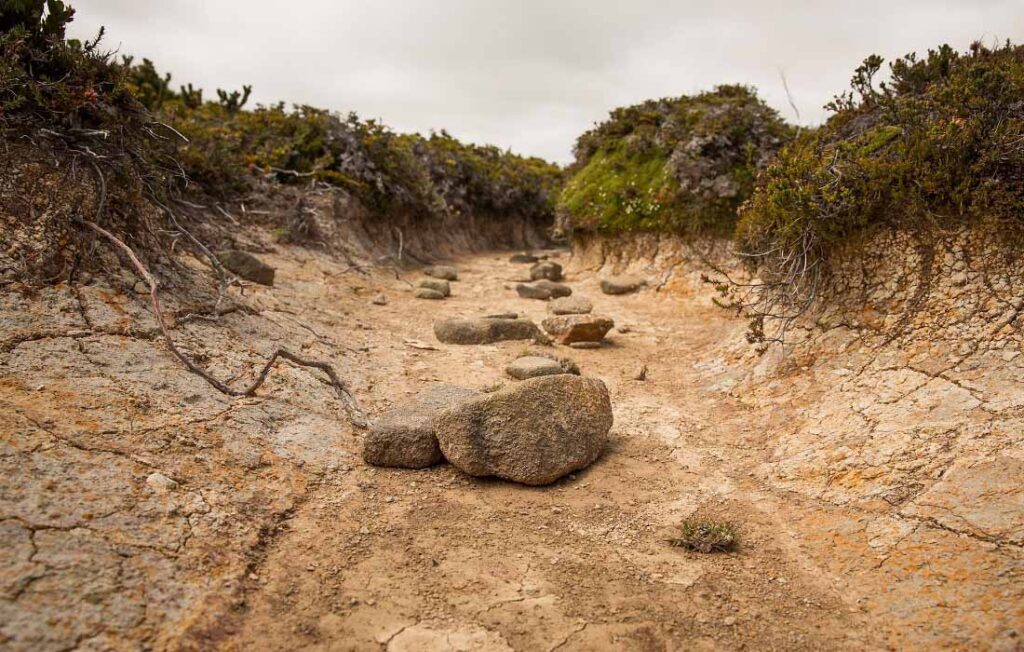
<point x="679" y="165"/>
<point x="705" y="535"/>
<point x="941" y="144"/>
<point x="425" y="176"/>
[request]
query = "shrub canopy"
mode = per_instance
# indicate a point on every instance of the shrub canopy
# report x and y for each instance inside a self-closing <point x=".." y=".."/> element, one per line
<point x="676" y="165"/>
<point x="941" y="144"/>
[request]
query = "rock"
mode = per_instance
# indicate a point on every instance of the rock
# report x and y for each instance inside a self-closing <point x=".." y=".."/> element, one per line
<point x="567" y="329"/>
<point x="485" y="331"/>
<point x="437" y="285"/>
<point x="546" y="269"/>
<point x="641" y="373"/>
<point x="445" y="272"/>
<point x="533" y="432"/>
<point x="533" y="366"/>
<point x="570" y="306"/>
<point x="160" y="483"/>
<point x="246" y="266"/>
<point x="427" y="293"/>
<point x="403" y="437"/>
<point x="543" y="290"/>
<point x="587" y="345"/>
<point x="622" y="284"/>
<point x="523" y="258"/>
<point x="380" y="300"/>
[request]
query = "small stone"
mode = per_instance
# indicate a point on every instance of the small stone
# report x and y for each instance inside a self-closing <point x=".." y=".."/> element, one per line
<point x="403" y="437"/>
<point x="445" y="272"/>
<point x="523" y="258"/>
<point x="246" y="266"/>
<point x="437" y="285"/>
<point x="160" y="483"/>
<point x="570" y="306"/>
<point x="729" y="621"/>
<point x="622" y="284"/>
<point x="567" y="329"/>
<point x="532" y="367"/>
<point x="427" y="293"/>
<point x="380" y="300"/>
<point x="546" y="269"/>
<point x="485" y="331"/>
<point x="389" y="499"/>
<point x="543" y="290"/>
<point x="641" y="374"/>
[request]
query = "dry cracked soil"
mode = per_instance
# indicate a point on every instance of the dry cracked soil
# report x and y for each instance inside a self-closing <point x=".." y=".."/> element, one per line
<point x="143" y="510"/>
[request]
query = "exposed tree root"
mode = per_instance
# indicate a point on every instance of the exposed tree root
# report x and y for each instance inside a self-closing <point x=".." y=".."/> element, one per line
<point x="355" y="414"/>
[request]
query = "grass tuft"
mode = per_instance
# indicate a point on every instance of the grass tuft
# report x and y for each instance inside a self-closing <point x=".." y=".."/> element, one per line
<point x="706" y="536"/>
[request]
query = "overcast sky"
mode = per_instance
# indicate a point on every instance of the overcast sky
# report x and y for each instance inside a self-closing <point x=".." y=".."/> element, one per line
<point x="530" y="75"/>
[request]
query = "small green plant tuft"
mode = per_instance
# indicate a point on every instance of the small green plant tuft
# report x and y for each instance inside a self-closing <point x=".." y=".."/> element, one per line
<point x="706" y="536"/>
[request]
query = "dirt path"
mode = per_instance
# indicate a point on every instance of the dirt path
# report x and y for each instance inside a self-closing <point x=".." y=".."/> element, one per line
<point x="405" y="560"/>
<point x="141" y="509"/>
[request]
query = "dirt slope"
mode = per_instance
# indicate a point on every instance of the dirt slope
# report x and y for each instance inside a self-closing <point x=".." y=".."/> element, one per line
<point x="142" y="509"/>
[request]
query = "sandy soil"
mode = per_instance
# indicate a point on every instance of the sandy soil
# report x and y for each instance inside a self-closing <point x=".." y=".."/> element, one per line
<point x="275" y="536"/>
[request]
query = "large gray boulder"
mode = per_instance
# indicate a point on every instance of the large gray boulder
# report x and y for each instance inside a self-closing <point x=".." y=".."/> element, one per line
<point x="570" y="306"/>
<point x="403" y="437"/>
<point x="533" y="432"/>
<point x="485" y="331"/>
<point x="567" y="329"/>
<point x="246" y="266"/>
<point x="437" y="285"/>
<point x="550" y="270"/>
<point x="624" y="284"/>
<point x="544" y="290"/>
<point x="446" y="272"/>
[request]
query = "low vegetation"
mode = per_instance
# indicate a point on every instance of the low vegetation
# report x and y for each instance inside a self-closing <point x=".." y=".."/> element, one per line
<point x="939" y="146"/>
<point x="121" y="125"/>
<point x="678" y="165"/>
<point x="706" y="536"/>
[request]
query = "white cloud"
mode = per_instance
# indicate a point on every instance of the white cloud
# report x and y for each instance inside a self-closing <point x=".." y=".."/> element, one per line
<point x="529" y="74"/>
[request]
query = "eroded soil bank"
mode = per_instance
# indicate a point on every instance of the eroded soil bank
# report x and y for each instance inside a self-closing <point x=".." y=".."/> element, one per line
<point x="878" y="499"/>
